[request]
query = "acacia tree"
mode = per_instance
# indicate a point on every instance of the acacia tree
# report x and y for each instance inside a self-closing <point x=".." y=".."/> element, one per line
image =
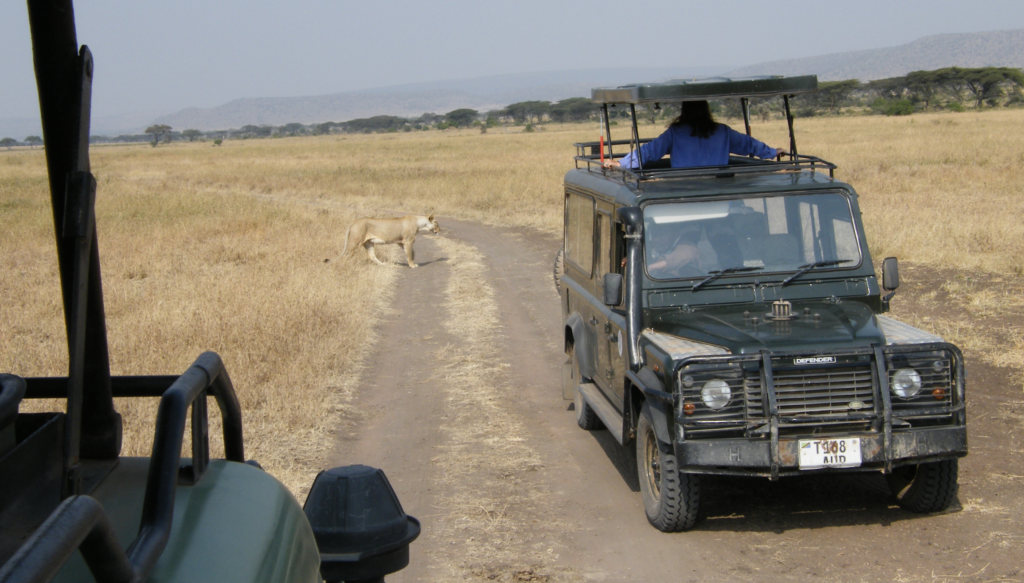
<point x="8" y="142"/>
<point x="32" y="141"/>
<point x="892" y="88"/>
<point x="832" y="94"/>
<point x="952" y="80"/>
<point x="573" y="109"/>
<point x="293" y="129"/>
<point x="923" y="85"/>
<point x="158" y="131"/>
<point x="461" y="117"/>
<point x="191" y="134"/>
<point x="526" y="111"/>
<point x="984" y="83"/>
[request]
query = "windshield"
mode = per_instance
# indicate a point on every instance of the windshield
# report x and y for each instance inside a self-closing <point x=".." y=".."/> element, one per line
<point x="773" y="233"/>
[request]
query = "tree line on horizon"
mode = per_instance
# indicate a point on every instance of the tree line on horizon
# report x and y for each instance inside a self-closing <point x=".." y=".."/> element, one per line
<point x="954" y="89"/>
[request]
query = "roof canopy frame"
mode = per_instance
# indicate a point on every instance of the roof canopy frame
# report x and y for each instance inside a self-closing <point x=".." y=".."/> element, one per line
<point x="702" y="90"/>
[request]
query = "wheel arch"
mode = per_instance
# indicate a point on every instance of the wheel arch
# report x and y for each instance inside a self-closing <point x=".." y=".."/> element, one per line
<point x="646" y="387"/>
<point x="576" y="339"/>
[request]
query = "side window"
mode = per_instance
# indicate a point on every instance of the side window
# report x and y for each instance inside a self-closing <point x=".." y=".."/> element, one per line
<point x="579" y="232"/>
<point x="604" y="244"/>
<point x="619" y="258"/>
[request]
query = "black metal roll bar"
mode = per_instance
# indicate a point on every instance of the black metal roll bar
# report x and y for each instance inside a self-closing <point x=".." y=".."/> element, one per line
<point x="12" y="390"/>
<point x="79" y="523"/>
<point x="64" y="78"/>
<point x="92" y="427"/>
<point x="80" y="520"/>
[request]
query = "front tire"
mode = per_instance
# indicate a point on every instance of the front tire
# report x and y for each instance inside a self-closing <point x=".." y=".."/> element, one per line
<point x="586" y="417"/>
<point x="925" y="488"/>
<point x="671" y="498"/>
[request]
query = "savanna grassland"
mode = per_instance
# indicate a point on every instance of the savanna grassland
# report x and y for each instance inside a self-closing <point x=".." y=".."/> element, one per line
<point x="224" y="248"/>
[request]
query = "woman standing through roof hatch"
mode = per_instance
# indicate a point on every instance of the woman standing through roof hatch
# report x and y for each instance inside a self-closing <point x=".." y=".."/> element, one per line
<point x="696" y="139"/>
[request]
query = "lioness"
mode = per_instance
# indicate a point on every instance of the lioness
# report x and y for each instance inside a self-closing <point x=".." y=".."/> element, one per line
<point x="401" y="231"/>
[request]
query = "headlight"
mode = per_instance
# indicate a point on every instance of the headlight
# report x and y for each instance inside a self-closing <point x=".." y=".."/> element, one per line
<point x="716" y="394"/>
<point x="906" y="383"/>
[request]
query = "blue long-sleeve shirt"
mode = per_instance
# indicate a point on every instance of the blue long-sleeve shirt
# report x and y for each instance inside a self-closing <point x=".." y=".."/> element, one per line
<point x="687" y="151"/>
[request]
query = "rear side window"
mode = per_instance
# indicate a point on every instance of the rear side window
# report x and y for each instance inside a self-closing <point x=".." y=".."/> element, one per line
<point x="579" y="231"/>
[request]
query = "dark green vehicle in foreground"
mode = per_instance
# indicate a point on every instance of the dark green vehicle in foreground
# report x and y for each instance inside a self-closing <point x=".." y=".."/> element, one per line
<point x="72" y="509"/>
<point x="729" y="321"/>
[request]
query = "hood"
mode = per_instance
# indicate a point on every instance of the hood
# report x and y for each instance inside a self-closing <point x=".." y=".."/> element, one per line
<point x="842" y="325"/>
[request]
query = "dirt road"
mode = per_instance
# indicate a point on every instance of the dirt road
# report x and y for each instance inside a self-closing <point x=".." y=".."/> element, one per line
<point x="463" y="411"/>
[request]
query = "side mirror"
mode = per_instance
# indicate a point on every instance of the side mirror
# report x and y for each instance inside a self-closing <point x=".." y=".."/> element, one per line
<point x="612" y="289"/>
<point x="890" y="279"/>
<point x="890" y="274"/>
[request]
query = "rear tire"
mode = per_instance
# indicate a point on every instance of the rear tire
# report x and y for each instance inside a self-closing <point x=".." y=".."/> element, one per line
<point x="671" y="498"/>
<point x="925" y="488"/>
<point x="559" y="269"/>
<point x="586" y="417"/>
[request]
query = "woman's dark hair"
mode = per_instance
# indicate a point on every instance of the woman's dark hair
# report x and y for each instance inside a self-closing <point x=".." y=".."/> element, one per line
<point x="697" y="115"/>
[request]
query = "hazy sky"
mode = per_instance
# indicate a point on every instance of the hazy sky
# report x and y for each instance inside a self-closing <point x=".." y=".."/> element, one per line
<point x="165" y="56"/>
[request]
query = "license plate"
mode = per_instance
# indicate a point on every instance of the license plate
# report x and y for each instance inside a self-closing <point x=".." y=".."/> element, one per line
<point x="829" y="453"/>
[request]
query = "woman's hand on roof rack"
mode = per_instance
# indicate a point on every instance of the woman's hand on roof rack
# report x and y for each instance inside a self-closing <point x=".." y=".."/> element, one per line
<point x="610" y="163"/>
<point x="780" y="152"/>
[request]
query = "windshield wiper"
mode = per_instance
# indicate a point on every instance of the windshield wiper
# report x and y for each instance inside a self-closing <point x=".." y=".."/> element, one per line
<point x="805" y="268"/>
<point x="716" y="274"/>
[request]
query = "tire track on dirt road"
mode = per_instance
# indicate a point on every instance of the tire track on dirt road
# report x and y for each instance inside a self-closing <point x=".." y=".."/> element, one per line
<point x="435" y="402"/>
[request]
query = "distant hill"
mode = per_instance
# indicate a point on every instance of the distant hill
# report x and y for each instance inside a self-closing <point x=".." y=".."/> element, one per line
<point x="482" y="94"/>
<point x="1001" y="48"/>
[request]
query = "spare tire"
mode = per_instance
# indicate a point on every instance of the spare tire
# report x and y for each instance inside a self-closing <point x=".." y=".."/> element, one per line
<point x="559" y="269"/>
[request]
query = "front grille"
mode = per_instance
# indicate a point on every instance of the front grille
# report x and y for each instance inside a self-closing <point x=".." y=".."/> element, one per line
<point x="816" y="392"/>
<point x="834" y="392"/>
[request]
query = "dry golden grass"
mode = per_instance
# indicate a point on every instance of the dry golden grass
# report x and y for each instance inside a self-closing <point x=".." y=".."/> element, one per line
<point x="944" y="189"/>
<point x="222" y="248"/>
<point x="191" y="262"/>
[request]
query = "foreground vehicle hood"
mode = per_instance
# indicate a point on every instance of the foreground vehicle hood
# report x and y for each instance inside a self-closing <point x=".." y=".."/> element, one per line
<point x="843" y="325"/>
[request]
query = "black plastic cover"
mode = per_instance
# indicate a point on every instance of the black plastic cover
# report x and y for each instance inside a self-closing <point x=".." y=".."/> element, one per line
<point x="359" y="525"/>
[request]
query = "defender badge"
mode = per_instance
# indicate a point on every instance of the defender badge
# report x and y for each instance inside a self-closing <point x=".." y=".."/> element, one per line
<point x="815" y="360"/>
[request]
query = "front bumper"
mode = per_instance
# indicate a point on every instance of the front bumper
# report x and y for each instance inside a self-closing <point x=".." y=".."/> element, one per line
<point x="755" y="457"/>
<point x="891" y="433"/>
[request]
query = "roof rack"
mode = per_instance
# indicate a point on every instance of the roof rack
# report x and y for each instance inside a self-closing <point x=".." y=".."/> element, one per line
<point x="588" y="158"/>
<point x="697" y="90"/>
<point x="711" y="88"/>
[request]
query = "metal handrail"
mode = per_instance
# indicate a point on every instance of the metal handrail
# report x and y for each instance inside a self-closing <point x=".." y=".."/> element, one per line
<point x="591" y="162"/>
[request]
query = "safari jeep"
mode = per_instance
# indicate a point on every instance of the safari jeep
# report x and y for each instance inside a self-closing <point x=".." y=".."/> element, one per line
<point x="728" y="320"/>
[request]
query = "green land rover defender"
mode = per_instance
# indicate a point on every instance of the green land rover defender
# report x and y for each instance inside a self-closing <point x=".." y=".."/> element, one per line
<point x="728" y="320"/>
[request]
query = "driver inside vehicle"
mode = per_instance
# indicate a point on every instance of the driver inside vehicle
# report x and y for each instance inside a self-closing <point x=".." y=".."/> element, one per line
<point x="672" y="251"/>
